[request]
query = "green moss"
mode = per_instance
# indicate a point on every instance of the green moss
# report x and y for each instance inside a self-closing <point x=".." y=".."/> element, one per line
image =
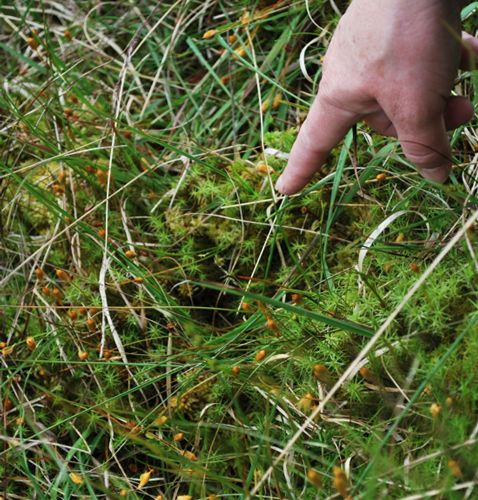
<point x="281" y="139"/>
<point x="188" y="189"/>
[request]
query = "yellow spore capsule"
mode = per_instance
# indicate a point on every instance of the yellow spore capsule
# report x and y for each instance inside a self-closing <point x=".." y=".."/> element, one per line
<point x="209" y="34"/>
<point x="320" y="371"/>
<point x="144" y="479"/>
<point x="178" y="437"/>
<point x="271" y="324"/>
<point x="276" y="102"/>
<point x="241" y="52"/>
<point x="76" y="478"/>
<point x="31" y="343"/>
<point x="307" y="403"/>
<point x="246" y="17"/>
<point x="7" y="350"/>
<point x="161" y="420"/>
<point x="32" y="42"/>
<point x="190" y="456"/>
<point x="314" y="477"/>
<point x="263" y="169"/>
<point x="455" y="469"/>
<point x="340" y="482"/>
<point x="435" y="410"/>
<point x="83" y="355"/>
<point x="400" y="238"/>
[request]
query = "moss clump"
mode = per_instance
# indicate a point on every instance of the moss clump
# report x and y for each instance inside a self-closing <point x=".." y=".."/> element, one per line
<point x="280" y="139"/>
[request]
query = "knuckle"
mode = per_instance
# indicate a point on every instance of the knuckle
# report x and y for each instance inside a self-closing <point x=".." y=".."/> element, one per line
<point x="424" y="155"/>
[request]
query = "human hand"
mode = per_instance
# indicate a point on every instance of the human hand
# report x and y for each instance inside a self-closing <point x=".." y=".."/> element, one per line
<point x="392" y="64"/>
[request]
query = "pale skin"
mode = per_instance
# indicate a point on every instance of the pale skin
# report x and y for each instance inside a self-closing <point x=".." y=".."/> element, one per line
<point x="391" y="63"/>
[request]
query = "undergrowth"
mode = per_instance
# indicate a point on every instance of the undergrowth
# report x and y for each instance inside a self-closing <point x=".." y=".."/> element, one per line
<point x="167" y="321"/>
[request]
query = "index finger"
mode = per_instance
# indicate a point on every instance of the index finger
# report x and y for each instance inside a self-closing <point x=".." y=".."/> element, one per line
<point x="324" y="127"/>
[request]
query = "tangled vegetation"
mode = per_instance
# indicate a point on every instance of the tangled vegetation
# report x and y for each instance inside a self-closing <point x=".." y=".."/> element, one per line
<point x="168" y="322"/>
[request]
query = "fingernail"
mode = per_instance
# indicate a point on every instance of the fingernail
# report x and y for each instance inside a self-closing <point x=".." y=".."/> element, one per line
<point x="280" y="185"/>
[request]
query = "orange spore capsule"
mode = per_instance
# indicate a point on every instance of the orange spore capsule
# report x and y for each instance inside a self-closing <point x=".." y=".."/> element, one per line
<point x="260" y="355"/>
<point x="72" y="314"/>
<point x="40" y="273"/>
<point x="62" y="275"/>
<point x="31" y="343"/>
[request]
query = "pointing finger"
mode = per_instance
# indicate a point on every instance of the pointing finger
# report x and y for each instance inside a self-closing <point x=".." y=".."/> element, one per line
<point x="323" y="128"/>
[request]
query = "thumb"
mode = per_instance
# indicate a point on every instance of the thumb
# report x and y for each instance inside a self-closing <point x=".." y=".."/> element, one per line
<point x="425" y="143"/>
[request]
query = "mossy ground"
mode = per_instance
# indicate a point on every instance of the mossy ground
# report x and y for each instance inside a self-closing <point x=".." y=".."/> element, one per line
<point x="185" y="318"/>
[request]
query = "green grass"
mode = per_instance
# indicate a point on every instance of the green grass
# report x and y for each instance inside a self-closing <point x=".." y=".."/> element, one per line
<point x="133" y="160"/>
